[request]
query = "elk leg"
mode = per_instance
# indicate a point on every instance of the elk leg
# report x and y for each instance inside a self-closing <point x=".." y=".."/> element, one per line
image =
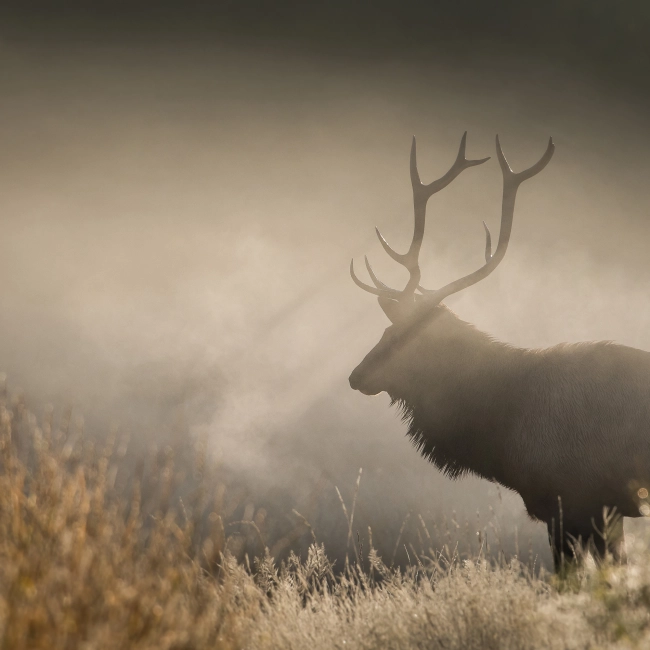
<point x="599" y="535"/>
<point x="566" y="539"/>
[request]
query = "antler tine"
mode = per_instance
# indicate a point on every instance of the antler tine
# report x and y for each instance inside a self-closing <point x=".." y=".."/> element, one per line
<point x="511" y="182"/>
<point x="460" y="164"/>
<point x="520" y="177"/>
<point x="421" y="194"/>
<point x="382" y="290"/>
<point x="488" y="243"/>
<point x="375" y="280"/>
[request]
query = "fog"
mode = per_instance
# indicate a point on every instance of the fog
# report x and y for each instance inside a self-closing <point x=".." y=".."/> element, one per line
<point x="177" y="226"/>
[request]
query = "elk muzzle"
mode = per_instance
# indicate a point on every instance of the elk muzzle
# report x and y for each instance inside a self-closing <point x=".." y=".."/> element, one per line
<point x="359" y="381"/>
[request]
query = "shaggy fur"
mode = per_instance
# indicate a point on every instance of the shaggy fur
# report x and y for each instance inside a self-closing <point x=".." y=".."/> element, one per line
<point x="567" y="427"/>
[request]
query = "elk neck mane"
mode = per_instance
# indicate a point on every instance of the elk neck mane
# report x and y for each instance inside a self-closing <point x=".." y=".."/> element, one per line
<point x="456" y="425"/>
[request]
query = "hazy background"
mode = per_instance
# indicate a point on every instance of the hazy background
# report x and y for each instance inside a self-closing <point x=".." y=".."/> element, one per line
<point x="182" y="188"/>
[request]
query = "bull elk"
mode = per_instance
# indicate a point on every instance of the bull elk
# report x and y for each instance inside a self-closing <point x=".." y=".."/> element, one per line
<point x="567" y="427"/>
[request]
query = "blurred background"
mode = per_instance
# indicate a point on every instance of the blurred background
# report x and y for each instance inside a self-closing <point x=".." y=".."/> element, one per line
<point x="182" y="186"/>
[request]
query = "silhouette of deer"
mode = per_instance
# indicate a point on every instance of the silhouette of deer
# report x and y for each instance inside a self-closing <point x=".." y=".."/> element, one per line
<point x="567" y="427"/>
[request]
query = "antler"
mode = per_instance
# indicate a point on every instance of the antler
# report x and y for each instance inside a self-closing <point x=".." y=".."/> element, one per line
<point x="421" y="194"/>
<point x="511" y="183"/>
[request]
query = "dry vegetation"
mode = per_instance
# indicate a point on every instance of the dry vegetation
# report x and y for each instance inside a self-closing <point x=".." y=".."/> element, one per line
<point x="100" y="551"/>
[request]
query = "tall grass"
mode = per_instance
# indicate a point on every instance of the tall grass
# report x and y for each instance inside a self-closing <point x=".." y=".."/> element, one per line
<point x="95" y="553"/>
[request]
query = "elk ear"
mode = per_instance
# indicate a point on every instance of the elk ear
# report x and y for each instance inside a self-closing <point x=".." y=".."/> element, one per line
<point x="396" y="311"/>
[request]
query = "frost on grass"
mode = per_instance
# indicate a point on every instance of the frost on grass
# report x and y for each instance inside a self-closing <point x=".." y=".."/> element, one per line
<point x="92" y="560"/>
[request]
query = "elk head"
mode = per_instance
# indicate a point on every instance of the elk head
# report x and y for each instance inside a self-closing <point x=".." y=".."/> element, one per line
<point x="415" y="310"/>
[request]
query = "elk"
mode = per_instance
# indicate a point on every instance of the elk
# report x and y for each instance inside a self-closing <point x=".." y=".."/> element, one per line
<point x="567" y="427"/>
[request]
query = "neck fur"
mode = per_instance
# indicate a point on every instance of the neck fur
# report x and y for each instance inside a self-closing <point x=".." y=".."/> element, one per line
<point x="460" y="406"/>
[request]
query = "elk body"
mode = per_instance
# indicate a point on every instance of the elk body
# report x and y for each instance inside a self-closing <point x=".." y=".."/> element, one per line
<point x="567" y="427"/>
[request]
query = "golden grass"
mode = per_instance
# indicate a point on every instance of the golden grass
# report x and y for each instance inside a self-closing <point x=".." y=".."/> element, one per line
<point x="92" y="560"/>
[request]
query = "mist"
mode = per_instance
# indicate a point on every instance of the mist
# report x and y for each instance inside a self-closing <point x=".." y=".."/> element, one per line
<point x="177" y="225"/>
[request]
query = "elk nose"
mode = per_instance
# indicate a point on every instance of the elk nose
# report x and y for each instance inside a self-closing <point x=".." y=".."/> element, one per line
<point x="354" y="380"/>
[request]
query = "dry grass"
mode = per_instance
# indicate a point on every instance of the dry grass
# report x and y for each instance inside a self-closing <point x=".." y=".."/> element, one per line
<point x="92" y="559"/>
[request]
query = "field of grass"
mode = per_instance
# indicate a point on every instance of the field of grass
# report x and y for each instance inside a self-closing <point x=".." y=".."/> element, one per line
<point x="101" y="550"/>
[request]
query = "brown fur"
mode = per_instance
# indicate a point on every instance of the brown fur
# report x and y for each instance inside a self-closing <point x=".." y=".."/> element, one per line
<point x="566" y="425"/>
